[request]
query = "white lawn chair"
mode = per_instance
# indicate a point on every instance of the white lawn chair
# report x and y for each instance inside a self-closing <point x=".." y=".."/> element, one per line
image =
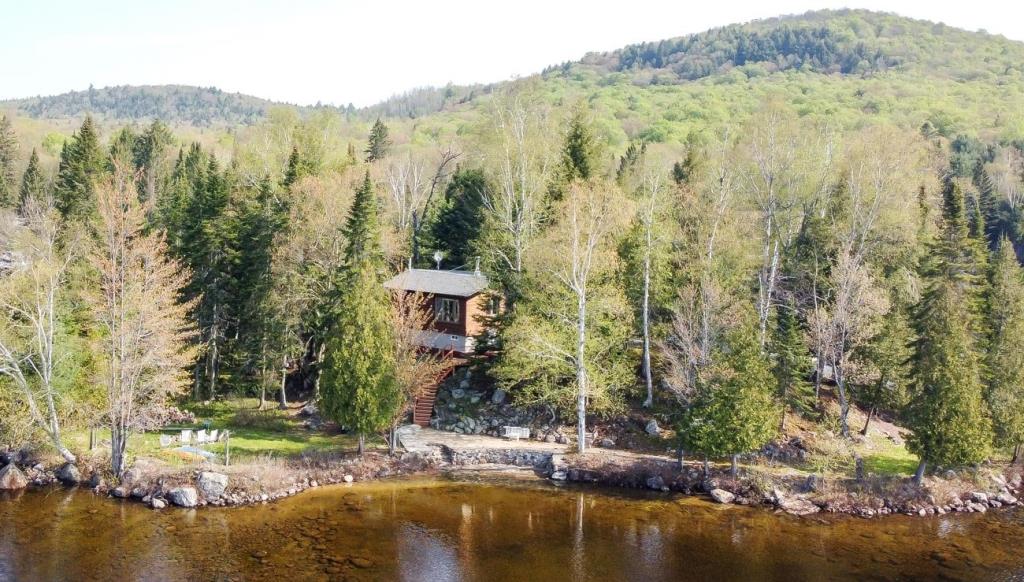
<point x="201" y="437"/>
<point x="166" y="440"/>
<point x="214" y="434"/>
<point x="186" y="436"/>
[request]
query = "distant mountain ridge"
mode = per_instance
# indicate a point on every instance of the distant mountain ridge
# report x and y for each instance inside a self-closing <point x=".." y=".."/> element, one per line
<point x="849" y="43"/>
<point x="200" y="106"/>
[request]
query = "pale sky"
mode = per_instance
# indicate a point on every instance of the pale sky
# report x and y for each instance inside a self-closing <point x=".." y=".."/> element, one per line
<point x="304" y="51"/>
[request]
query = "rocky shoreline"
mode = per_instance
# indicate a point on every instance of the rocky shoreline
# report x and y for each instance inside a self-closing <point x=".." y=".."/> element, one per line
<point x="160" y="487"/>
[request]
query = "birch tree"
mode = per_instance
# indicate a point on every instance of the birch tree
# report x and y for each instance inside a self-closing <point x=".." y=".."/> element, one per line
<point x="30" y="291"/>
<point x="146" y="342"/>
<point x="566" y="345"/>
<point x="523" y="160"/>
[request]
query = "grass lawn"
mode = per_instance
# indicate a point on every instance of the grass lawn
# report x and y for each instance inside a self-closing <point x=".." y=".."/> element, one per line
<point x="254" y="433"/>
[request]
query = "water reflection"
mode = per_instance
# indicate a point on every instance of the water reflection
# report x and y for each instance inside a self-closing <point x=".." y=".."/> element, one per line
<point x="487" y="531"/>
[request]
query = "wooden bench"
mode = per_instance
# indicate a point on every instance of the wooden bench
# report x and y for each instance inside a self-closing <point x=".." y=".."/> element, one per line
<point x="515" y="432"/>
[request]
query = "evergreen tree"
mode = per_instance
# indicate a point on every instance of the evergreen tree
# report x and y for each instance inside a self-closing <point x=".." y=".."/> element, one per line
<point x="379" y="143"/>
<point x="1006" y="348"/>
<point x="890" y="353"/>
<point x="792" y="365"/>
<point x="579" y="152"/>
<point x="459" y="218"/>
<point x="151" y="159"/>
<point x="361" y="227"/>
<point x="359" y="387"/>
<point x="8" y="162"/>
<point x="82" y="162"/>
<point x="947" y="413"/>
<point x="298" y="167"/>
<point x="33" y="183"/>
<point x="734" y="411"/>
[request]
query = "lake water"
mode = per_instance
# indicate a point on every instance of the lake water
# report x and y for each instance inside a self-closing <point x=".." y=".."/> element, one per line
<point x="491" y="528"/>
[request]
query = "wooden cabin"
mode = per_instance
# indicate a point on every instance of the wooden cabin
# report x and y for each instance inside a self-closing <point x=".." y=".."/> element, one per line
<point x="458" y="302"/>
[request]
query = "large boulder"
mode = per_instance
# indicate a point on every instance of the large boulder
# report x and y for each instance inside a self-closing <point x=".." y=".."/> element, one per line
<point x="652" y="428"/>
<point x="797" y="506"/>
<point x="722" y="496"/>
<point x="183" y="496"/>
<point x="498" y="397"/>
<point x="212" y="485"/>
<point x="12" y="478"/>
<point x="69" y="474"/>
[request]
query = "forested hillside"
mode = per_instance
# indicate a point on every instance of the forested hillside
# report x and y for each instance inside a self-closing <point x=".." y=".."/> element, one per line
<point x="177" y="104"/>
<point x="814" y="213"/>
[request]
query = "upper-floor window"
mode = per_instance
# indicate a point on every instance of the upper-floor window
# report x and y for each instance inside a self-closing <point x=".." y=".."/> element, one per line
<point x="446" y="310"/>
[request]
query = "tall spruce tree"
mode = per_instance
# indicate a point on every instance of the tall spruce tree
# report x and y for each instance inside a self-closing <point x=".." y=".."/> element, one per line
<point x="792" y="365"/>
<point x="82" y="162"/>
<point x="361" y="229"/>
<point x="459" y="218"/>
<point x="359" y="387"/>
<point x="579" y="151"/>
<point x="33" y="183"/>
<point x="8" y="163"/>
<point x="1006" y="348"/>
<point x="379" y="143"/>
<point x="890" y="353"/>
<point x="735" y="410"/>
<point x="947" y="414"/>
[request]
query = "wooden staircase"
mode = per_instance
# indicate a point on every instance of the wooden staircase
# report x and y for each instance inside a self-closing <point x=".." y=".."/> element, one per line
<point x="423" y="408"/>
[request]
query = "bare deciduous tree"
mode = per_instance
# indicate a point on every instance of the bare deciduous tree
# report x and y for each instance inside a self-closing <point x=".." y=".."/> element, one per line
<point x="35" y="276"/>
<point x="524" y="162"/>
<point x="146" y="342"/>
<point x="416" y="369"/>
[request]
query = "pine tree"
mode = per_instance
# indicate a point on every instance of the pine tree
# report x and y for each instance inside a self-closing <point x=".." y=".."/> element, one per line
<point x="459" y="218"/>
<point x="578" y="153"/>
<point x="82" y="162"/>
<point x="735" y="411"/>
<point x="1006" y="348"/>
<point x="33" y="183"/>
<point x="947" y="413"/>
<point x="379" y="143"/>
<point x="359" y="388"/>
<point x="298" y="167"/>
<point x="361" y="228"/>
<point x="8" y="161"/>
<point x="792" y="365"/>
<point x="890" y="352"/>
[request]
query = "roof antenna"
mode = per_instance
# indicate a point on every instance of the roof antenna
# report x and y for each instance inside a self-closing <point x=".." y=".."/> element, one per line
<point x="476" y="270"/>
<point x="437" y="259"/>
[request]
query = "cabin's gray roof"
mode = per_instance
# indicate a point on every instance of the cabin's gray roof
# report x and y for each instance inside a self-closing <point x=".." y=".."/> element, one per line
<point x="456" y="283"/>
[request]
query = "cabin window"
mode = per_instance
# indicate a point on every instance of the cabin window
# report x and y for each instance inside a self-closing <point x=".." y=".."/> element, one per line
<point x="493" y="305"/>
<point x="446" y="310"/>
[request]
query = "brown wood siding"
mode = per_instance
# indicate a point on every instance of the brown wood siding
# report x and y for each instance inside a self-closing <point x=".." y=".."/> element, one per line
<point x="475" y="312"/>
<point x="458" y="328"/>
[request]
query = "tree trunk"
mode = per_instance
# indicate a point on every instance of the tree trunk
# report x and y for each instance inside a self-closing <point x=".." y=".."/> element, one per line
<point x="362" y="444"/>
<point x="319" y="367"/>
<point x="919" y="475"/>
<point x="680" y="457"/>
<point x="284" y="381"/>
<point x="118" y="444"/>
<point x="646" y="319"/>
<point x="581" y="371"/>
<point x="707" y="467"/>
<point x="867" y="423"/>
<point x="1016" y="454"/>
<point x="844" y="403"/>
<point x="735" y="470"/>
<point x="782" y="421"/>
<point x="263" y="387"/>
